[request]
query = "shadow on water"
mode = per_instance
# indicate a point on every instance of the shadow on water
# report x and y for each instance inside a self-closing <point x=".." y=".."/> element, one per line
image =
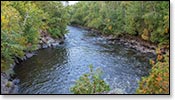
<point x="54" y="70"/>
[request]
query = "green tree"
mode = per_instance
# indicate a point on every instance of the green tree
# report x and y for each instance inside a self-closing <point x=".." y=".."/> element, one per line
<point x="56" y="19"/>
<point x="21" y="23"/>
<point x="146" y="19"/>
<point x="12" y="42"/>
<point x="90" y="83"/>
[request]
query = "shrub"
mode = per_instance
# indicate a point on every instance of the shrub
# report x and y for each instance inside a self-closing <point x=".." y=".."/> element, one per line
<point x="90" y="83"/>
<point x="158" y="80"/>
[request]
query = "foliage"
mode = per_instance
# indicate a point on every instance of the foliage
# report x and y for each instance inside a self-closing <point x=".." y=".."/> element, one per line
<point x="90" y="83"/>
<point x="158" y="80"/>
<point x="21" y="22"/>
<point x="56" y="18"/>
<point x="31" y="22"/>
<point x="12" y="42"/>
<point x="147" y="19"/>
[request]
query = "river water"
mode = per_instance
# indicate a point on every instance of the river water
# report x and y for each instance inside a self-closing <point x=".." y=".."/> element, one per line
<point x="54" y="70"/>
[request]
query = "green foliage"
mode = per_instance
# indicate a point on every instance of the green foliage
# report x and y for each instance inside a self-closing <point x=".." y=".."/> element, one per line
<point x="56" y="17"/>
<point x="146" y="19"/>
<point x="31" y="21"/>
<point x="21" y="22"/>
<point x="90" y="83"/>
<point x="158" y="80"/>
<point x="11" y="35"/>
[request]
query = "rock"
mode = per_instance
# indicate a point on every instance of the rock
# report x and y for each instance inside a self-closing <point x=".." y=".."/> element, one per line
<point x="44" y="46"/>
<point x="44" y="40"/>
<point x="16" y="81"/>
<point x="4" y="82"/>
<point x="16" y="60"/>
<point x="55" y="44"/>
<point x="49" y="45"/>
<point x="8" y="86"/>
<point x="50" y="40"/>
<point x="14" y="90"/>
<point x="12" y="65"/>
<point x="23" y="58"/>
<point x="29" y="55"/>
<point x="39" y="46"/>
<point x="61" y="42"/>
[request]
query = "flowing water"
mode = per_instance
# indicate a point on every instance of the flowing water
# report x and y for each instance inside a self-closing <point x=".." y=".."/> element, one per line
<point x="55" y="70"/>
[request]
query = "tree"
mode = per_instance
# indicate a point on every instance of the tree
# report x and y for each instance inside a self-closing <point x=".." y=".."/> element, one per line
<point x="90" y="83"/>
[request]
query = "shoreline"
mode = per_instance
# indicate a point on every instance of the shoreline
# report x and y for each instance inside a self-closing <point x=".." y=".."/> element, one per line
<point x="129" y="41"/>
<point x="9" y="83"/>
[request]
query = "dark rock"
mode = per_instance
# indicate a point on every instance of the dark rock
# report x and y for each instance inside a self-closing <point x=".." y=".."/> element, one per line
<point x="16" y="60"/>
<point x="61" y="42"/>
<point x="23" y="58"/>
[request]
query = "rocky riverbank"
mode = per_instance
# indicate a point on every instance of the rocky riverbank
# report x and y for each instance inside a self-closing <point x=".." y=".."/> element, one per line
<point x="9" y="84"/>
<point x="133" y="42"/>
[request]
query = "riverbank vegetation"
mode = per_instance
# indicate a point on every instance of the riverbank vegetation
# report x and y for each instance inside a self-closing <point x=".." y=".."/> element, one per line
<point x="22" y="23"/>
<point x="158" y="80"/>
<point x="90" y="83"/>
<point x="148" y="20"/>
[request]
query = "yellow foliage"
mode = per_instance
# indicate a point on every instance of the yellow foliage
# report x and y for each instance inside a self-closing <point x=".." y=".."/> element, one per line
<point x="158" y="51"/>
<point x="166" y="30"/>
<point x="145" y="34"/>
<point x="152" y="62"/>
<point x="2" y="18"/>
<point x="110" y="27"/>
<point x="10" y="17"/>
<point x="158" y="80"/>
<point x="159" y="57"/>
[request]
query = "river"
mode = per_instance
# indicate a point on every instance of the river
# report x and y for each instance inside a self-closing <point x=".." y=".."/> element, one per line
<point x="55" y="70"/>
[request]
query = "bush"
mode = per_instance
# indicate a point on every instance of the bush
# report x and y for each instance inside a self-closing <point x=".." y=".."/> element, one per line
<point x="90" y="83"/>
<point x="21" y="22"/>
<point x="158" y="80"/>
